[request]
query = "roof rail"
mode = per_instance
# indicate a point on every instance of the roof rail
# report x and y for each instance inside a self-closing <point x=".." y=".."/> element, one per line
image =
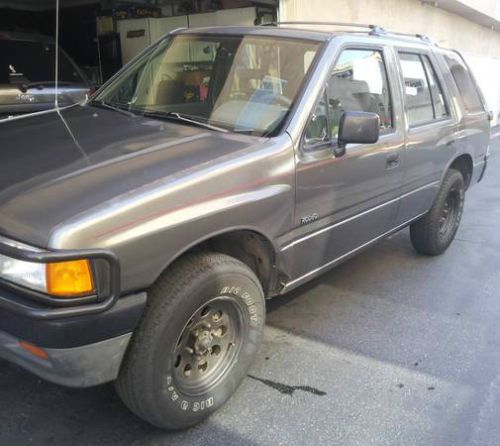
<point x="426" y="39"/>
<point x="374" y="30"/>
<point x="422" y="37"/>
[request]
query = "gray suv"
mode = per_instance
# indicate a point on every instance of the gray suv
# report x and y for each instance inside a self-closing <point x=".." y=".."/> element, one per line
<point x="141" y="232"/>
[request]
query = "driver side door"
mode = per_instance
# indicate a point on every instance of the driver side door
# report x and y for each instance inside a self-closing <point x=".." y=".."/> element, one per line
<point x="345" y="202"/>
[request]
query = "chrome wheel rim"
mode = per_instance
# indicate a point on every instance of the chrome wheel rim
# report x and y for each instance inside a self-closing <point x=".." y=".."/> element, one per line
<point x="208" y="345"/>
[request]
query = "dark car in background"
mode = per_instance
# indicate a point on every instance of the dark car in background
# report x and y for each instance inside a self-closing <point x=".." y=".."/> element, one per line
<point x="27" y="75"/>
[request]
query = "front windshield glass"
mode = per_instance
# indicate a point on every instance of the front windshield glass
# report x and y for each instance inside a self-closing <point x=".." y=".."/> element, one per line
<point x="239" y="83"/>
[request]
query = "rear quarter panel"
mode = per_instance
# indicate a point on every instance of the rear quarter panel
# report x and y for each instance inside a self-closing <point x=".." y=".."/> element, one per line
<point x="472" y="133"/>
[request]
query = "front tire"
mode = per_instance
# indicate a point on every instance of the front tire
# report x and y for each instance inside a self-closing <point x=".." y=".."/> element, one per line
<point x="199" y="334"/>
<point x="434" y="232"/>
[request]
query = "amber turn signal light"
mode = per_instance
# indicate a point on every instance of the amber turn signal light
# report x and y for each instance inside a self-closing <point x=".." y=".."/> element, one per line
<point x="34" y="350"/>
<point x="70" y="279"/>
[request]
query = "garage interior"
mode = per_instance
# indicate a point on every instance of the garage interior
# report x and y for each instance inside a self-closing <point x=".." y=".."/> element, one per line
<point x="102" y="36"/>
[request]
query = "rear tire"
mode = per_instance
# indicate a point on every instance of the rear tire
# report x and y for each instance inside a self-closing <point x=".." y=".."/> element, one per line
<point x="434" y="232"/>
<point x="199" y="334"/>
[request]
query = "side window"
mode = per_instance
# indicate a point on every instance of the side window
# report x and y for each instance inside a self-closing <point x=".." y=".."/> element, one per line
<point x="317" y="133"/>
<point x="417" y="91"/>
<point x="465" y="84"/>
<point x="438" y="101"/>
<point x="358" y="83"/>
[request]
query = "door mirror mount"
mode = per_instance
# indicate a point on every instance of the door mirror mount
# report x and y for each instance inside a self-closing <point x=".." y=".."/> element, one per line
<point x="357" y="127"/>
<point x="317" y="131"/>
<point x="340" y="149"/>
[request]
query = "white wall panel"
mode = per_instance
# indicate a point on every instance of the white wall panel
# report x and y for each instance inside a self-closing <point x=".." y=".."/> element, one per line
<point x="133" y="45"/>
<point x="159" y="27"/>
<point x="481" y="45"/>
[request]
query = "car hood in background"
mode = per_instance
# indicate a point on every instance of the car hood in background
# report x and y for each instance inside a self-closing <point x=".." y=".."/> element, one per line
<point x="58" y="165"/>
<point x="13" y="101"/>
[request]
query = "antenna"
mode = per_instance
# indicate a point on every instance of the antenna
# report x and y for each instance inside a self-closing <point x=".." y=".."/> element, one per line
<point x="56" y="80"/>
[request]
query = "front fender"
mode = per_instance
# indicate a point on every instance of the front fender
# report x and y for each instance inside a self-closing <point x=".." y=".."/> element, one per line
<point x="251" y="189"/>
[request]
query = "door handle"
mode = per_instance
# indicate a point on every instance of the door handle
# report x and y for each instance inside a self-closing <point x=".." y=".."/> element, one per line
<point x="392" y="160"/>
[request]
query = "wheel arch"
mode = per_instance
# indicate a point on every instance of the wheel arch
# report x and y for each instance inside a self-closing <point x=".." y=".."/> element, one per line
<point x="464" y="164"/>
<point x="249" y="245"/>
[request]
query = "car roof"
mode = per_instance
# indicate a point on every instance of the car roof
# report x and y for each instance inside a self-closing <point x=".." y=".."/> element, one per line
<point x="295" y="31"/>
<point x="269" y="31"/>
<point x="25" y="37"/>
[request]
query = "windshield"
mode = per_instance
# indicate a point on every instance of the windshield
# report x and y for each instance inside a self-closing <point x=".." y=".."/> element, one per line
<point x="238" y="83"/>
<point x="33" y="62"/>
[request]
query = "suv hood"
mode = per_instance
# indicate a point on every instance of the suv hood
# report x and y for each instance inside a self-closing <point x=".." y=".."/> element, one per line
<point x="61" y="164"/>
<point x="13" y="101"/>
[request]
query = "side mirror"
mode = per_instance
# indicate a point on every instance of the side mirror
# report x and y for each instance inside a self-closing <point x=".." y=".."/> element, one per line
<point x="357" y="127"/>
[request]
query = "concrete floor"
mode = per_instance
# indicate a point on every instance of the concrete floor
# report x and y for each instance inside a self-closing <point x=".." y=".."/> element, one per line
<point x="395" y="348"/>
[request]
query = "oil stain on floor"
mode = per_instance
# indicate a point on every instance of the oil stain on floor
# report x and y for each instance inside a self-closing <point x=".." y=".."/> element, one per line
<point x="286" y="389"/>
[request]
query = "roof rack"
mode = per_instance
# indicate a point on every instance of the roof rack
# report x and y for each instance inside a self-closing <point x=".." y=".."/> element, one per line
<point x="422" y="37"/>
<point x="373" y="30"/>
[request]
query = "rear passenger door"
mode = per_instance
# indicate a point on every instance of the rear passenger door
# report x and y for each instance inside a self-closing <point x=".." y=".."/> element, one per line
<point x="345" y="202"/>
<point x="430" y="128"/>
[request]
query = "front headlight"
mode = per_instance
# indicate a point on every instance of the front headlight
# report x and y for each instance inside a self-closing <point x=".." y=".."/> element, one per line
<point x="62" y="279"/>
<point x="27" y="274"/>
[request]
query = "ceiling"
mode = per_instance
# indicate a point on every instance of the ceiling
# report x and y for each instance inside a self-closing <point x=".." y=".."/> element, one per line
<point x="41" y="5"/>
<point x="465" y="9"/>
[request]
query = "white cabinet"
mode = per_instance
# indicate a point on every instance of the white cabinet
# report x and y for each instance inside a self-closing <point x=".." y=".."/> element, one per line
<point x="134" y="37"/>
<point x="236" y="17"/>
<point x="202" y="20"/>
<point x="137" y="34"/>
<point x="159" y="27"/>
<point x="224" y="17"/>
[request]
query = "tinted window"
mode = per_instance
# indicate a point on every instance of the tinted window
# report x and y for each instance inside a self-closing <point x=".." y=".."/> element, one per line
<point x="33" y="62"/>
<point x="440" y="109"/>
<point x="417" y="91"/>
<point x="359" y="83"/>
<point x="465" y="84"/>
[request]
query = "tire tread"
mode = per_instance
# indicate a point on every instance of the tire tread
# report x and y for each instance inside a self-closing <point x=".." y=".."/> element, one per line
<point x="423" y="233"/>
<point x="163" y="299"/>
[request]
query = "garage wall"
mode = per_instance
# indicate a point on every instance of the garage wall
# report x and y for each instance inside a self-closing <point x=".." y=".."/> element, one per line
<point x="480" y="45"/>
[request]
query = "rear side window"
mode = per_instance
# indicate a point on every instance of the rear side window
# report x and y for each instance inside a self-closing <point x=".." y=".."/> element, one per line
<point x="440" y="109"/>
<point x="33" y="62"/>
<point x="465" y="84"/>
<point x="417" y="91"/>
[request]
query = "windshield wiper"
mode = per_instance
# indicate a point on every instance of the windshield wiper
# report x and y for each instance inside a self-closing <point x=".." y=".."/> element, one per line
<point x="184" y="118"/>
<point x="111" y="107"/>
<point x="245" y="131"/>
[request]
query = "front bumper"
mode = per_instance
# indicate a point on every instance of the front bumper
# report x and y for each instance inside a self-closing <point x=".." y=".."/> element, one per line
<point x="81" y="351"/>
<point x="82" y="345"/>
<point x="85" y="366"/>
